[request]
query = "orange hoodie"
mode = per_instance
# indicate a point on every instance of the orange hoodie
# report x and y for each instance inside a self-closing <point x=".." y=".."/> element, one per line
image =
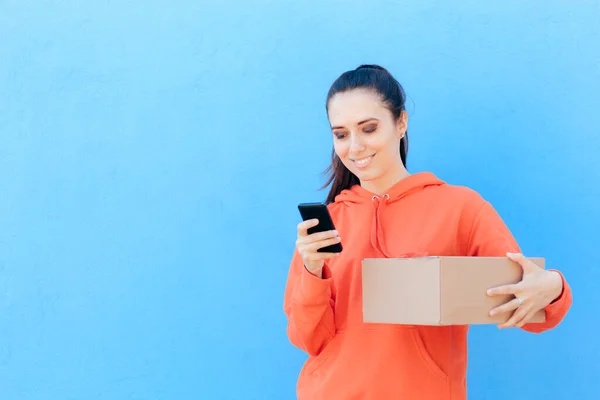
<point x="351" y="360"/>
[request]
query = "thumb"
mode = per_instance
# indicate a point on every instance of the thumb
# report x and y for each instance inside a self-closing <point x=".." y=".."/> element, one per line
<point x="521" y="260"/>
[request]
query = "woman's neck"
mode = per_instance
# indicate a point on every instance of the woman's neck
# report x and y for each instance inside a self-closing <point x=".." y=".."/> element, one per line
<point x="381" y="185"/>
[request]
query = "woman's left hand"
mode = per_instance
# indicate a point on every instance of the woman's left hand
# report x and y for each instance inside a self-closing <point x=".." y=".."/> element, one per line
<point x="537" y="289"/>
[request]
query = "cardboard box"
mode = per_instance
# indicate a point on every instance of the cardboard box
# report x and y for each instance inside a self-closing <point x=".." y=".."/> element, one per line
<point x="438" y="290"/>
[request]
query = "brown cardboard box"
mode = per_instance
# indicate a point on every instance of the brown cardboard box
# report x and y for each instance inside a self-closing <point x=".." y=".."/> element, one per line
<point x="438" y="290"/>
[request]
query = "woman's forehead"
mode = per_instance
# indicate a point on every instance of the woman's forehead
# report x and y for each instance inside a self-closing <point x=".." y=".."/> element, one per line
<point x="355" y="106"/>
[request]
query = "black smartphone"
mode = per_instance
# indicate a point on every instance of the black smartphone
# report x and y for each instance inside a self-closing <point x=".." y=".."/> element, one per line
<point x="319" y="211"/>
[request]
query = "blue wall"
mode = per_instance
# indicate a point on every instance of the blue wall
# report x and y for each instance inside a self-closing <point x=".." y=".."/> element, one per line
<point x="145" y="226"/>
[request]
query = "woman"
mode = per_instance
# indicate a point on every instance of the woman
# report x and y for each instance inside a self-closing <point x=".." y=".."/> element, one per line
<point x="381" y="210"/>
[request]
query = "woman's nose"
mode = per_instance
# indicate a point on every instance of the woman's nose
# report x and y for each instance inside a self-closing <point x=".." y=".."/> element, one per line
<point x="356" y="144"/>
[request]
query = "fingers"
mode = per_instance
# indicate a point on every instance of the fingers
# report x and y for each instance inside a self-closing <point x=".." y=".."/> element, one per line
<point x="519" y="318"/>
<point x="506" y="289"/>
<point x="528" y="317"/>
<point x="305" y="238"/>
<point x="304" y="226"/>
<point x="527" y="265"/>
<point x="314" y="246"/>
<point x="524" y="312"/>
<point x="309" y="240"/>
<point x="515" y="318"/>
<point x="308" y="245"/>
<point x="506" y="307"/>
<point x="309" y="250"/>
<point x="312" y="257"/>
<point x="516" y="257"/>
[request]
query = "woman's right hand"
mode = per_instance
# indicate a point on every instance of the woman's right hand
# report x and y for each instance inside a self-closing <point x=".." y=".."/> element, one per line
<point x="308" y="245"/>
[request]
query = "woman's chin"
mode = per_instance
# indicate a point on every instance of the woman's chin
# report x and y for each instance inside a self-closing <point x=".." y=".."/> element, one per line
<point x="365" y="176"/>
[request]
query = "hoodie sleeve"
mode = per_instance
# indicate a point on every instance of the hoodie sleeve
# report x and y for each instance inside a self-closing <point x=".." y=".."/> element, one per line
<point x="308" y="305"/>
<point x="490" y="237"/>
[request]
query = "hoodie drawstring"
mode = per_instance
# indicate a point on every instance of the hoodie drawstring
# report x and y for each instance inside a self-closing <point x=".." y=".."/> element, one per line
<point x="357" y="198"/>
<point x="377" y="239"/>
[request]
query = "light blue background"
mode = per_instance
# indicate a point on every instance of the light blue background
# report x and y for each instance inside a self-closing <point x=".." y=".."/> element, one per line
<point x="146" y="225"/>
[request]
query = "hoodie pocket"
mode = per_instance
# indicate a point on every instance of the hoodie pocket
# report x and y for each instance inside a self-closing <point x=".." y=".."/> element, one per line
<point x="330" y="349"/>
<point x="426" y="357"/>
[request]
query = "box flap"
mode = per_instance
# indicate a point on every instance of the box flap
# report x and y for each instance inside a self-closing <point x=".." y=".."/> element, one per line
<point x="401" y="290"/>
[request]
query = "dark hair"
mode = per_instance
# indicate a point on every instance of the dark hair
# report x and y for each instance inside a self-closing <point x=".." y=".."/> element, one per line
<point x="378" y="79"/>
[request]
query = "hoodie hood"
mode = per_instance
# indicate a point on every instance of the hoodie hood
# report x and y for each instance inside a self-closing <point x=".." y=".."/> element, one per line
<point x="378" y="203"/>
<point x="407" y="186"/>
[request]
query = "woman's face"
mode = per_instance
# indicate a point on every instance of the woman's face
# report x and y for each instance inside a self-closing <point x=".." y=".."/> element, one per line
<point x="366" y="138"/>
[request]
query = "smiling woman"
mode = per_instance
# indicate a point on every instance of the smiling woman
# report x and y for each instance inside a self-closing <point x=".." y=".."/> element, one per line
<point x="405" y="215"/>
<point x="368" y="118"/>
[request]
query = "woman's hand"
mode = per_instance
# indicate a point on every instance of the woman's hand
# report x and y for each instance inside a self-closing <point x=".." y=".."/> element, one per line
<point x="537" y="289"/>
<point x="308" y="245"/>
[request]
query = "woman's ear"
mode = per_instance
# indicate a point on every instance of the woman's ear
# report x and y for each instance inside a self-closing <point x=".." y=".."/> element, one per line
<point x="402" y="124"/>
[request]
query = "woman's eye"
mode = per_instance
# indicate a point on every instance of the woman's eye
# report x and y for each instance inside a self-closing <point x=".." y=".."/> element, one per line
<point x="340" y="135"/>
<point x="370" y="129"/>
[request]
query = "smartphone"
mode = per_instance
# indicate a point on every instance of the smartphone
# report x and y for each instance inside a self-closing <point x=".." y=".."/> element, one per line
<point x="319" y="211"/>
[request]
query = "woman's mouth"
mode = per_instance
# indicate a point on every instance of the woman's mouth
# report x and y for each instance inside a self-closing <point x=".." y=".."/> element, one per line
<point x="363" y="162"/>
